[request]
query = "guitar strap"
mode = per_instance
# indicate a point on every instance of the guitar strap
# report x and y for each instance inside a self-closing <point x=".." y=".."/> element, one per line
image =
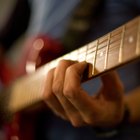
<point x="80" y="23"/>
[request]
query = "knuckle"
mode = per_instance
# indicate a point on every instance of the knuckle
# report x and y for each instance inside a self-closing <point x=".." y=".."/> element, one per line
<point x="91" y="119"/>
<point x="59" y="114"/>
<point x="51" y="71"/>
<point x="119" y="85"/>
<point x="69" y="91"/>
<point x="64" y="62"/>
<point x="70" y="69"/>
<point x="48" y="96"/>
<point x="76" y="122"/>
<point x="119" y="92"/>
<point x="64" y="117"/>
<point x="57" y="88"/>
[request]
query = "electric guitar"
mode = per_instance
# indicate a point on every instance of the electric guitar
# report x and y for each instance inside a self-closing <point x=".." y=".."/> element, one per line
<point x="113" y="50"/>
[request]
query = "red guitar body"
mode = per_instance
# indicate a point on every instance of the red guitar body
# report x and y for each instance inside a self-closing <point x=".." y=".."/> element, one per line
<point x="38" y="51"/>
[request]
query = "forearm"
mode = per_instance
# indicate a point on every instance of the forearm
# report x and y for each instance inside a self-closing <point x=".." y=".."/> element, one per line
<point x="132" y="101"/>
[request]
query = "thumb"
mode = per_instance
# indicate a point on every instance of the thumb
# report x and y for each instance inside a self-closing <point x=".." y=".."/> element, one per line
<point x="112" y="85"/>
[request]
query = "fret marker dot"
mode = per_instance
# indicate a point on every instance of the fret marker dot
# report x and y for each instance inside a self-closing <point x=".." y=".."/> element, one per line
<point x="130" y="39"/>
<point x="101" y="54"/>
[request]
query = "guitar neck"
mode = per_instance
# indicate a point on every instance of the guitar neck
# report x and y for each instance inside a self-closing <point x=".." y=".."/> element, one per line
<point x="114" y="49"/>
<point x="110" y="51"/>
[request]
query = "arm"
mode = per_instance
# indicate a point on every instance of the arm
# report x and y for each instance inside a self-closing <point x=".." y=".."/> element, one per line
<point x="132" y="101"/>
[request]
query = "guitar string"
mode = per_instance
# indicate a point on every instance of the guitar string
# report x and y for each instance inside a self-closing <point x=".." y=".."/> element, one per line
<point x="98" y="44"/>
<point x="110" y="43"/>
<point x="134" y="22"/>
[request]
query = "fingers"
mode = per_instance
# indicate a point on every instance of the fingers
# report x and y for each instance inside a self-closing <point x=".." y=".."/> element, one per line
<point x="112" y="85"/>
<point x="51" y="99"/>
<point x="76" y="102"/>
<point x="63" y="92"/>
<point x="65" y="96"/>
<point x="58" y="84"/>
<point x="76" y="95"/>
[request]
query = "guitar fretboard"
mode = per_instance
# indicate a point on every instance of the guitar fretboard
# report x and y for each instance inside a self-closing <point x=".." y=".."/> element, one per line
<point x="112" y="50"/>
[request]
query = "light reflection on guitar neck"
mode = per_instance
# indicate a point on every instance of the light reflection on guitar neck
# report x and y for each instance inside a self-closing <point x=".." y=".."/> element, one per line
<point x="110" y="51"/>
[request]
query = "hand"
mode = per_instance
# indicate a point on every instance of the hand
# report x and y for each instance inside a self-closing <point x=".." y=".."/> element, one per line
<point x="65" y="96"/>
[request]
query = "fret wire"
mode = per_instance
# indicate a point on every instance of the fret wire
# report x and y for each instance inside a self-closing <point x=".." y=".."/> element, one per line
<point x="107" y="48"/>
<point x="91" y="47"/>
<point x="138" y="39"/>
<point x="95" y="57"/>
<point x="117" y="41"/>
<point x="111" y="43"/>
<point x="96" y="53"/>
<point x="118" y="38"/>
<point x="88" y="51"/>
<point x="119" y="30"/>
<point x="127" y="32"/>
<point x="113" y="36"/>
<point x="97" y="48"/>
<point x="103" y="40"/>
<point x="121" y="45"/>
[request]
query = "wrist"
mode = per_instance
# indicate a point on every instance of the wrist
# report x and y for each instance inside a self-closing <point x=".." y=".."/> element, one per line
<point x="113" y="131"/>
